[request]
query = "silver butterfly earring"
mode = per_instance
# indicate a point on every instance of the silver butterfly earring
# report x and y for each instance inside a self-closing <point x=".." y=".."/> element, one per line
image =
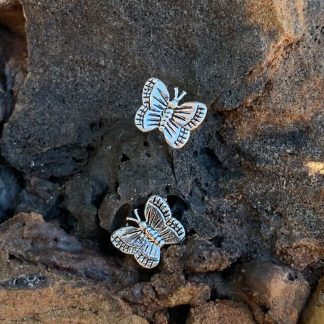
<point x="158" y="111"/>
<point x="146" y="240"/>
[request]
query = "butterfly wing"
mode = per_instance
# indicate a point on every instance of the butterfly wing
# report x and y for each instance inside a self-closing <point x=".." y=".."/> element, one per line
<point x="155" y="212"/>
<point x="200" y="111"/>
<point x="174" y="232"/>
<point x="158" y="215"/>
<point x="176" y="135"/>
<point x="149" y="255"/>
<point x="190" y="114"/>
<point x="155" y="94"/>
<point x="185" y="118"/>
<point x="155" y="99"/>
<point x="147" y="119"/>
<point x="128" y="239"/>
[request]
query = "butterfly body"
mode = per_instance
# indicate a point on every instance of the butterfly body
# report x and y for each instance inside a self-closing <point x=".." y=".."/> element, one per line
<point x="166" y="116"/>
<point x="174" y="120"/>
<point x="151" y="234"/>
<point x="145" y="241"/>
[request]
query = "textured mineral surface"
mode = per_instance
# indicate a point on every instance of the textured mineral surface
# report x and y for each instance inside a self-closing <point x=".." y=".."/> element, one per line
<point x="248" y="186"/>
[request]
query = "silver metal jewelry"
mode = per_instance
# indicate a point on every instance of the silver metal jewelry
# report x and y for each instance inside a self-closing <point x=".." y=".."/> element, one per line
<point x="158" y="111"/>
<point x="146" y="240"/>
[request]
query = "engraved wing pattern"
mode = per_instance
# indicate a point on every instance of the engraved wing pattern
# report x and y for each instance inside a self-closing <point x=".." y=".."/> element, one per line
<point x="193" y="114"/>
<point x="155" y="113"/>
<point x="128" y="239"/>
<point x="175" y="135"/>
<point x="158" y="215"/>
<point x="185" y="118"/>
<point x="155" y="98"/>
<point x="158" y="229"/>
<point x="149" y="255"/>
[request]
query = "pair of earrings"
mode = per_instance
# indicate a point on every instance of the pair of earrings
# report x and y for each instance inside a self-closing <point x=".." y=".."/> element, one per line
<point x="175" y="122"/>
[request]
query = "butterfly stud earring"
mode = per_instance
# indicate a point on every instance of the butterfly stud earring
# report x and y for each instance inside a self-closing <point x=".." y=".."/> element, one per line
<point x="174" y="120"/>
<point x="145" y="241"/>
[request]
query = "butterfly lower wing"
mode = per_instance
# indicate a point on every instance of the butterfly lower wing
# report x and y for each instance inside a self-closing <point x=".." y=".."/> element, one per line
<point x="176" y="135"/>
<point x="155" y="95"/>
<point x="128" y="239"/>
<point x="149" y="255"/>
<point x="184" y="113"/>
<point x="174" y="232"/>
<point x="198" y="113"/>
<point x="147" y="119"/>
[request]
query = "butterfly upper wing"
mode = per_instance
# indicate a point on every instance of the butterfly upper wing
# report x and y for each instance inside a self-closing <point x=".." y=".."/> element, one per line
<point x="155" y="99"/>
<point x="155" y="212"/>
<point x="149" y="255"/>
<point x="155" y="94"/>
<point x="128" y="239"/>
<point x="158" y="215"/>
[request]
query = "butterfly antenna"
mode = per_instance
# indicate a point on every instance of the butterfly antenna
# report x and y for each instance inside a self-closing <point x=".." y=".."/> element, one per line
<point x="137" y="220"/>
<point x="176" y="94"/>
<point x="132" y="219"/>
<point x="183" y="93"/>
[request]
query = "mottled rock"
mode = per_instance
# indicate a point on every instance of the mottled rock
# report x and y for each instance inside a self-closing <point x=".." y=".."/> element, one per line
<point x="220" y="312"/>
<point x="278" y="135"/>
<point x="167" y="291"/>
<point x="13" y="55"/>
<point x="11" y="17"/>
<point x="40" y="196"/>
<point x="203" y="256"/>
<point x="9" y="189"/>
<point x="280" y="291"/>
<point x="90" y="264"/>
<point x="65" y="300"/>
<point x="161" y="318"/>
<point x="111" y="210"/>
<point x="81" y="195"/>
<point x="232" y="225"/>
<point x="59" y="297"/>
<point x="29" y="232"/>
<point x="168" y="288"/>
<point x="95" y="43"/>
<point x="174" y="291"/>
<point x="300" y="253"/>
<point x="29" y="238"/>
<point x="249" y="182"/>
<point x="314" y="313"/>
<point x="128" y="182"/>
<point x="173" y="259"/>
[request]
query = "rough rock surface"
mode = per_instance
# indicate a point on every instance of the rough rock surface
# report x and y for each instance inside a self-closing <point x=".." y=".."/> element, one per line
<point x="281" y="291"/>
<point x="314" y="313"/>
<point x="33" y="294"/>
<point x="220" y="312"/>
<point x="248" y="185"/>
<point x="203" y="256"/>
<point x="92" y="89"/>
<point x="28" y="237"/>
